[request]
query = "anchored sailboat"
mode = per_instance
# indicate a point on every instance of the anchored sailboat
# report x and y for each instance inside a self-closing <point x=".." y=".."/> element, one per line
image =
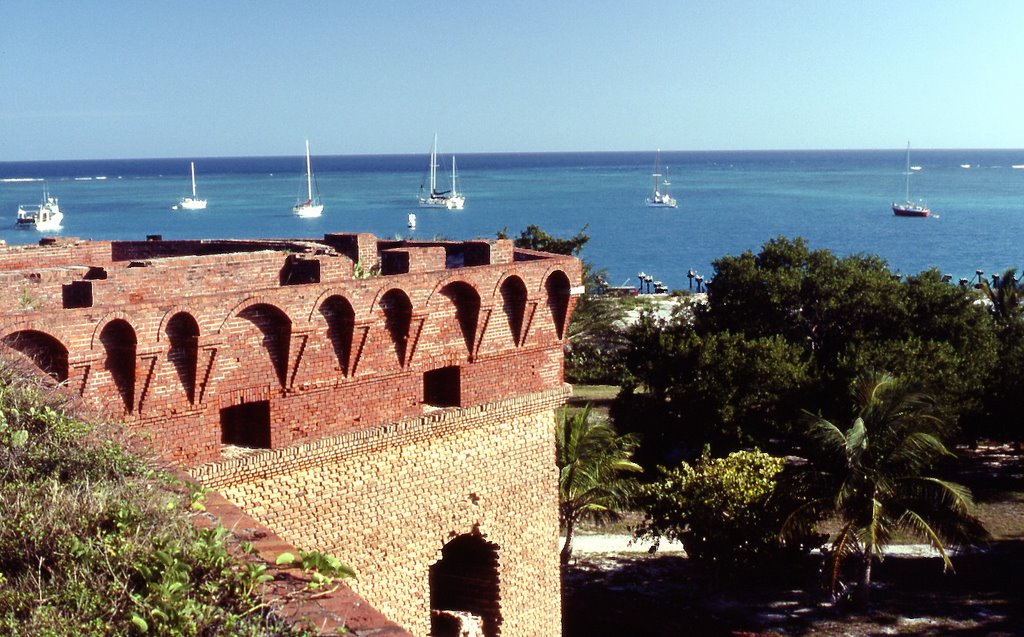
<point x="193" y="202"/>
<point x="451" y="199"/>
<point x="311" y="207"/>
<point x="909" y="208"/>
<point x="658" y="198"/>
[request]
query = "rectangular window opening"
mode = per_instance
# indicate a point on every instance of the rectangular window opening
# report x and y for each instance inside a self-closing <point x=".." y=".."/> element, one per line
<point x="246" y="425"/>
<point x="441" y="387"/>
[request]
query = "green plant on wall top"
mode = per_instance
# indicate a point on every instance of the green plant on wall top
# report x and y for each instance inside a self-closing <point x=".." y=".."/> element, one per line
<point x="325" y="570"/>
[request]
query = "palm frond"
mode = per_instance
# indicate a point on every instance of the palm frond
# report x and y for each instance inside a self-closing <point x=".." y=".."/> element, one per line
<point x="917" y="523"/>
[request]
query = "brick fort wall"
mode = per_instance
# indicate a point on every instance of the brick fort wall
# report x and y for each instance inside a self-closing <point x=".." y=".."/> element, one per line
<point x="390" y="402"/>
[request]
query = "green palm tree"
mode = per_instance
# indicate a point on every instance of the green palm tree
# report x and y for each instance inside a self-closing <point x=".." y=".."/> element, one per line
<point x="875" y="477"/>
<point x="593" y="461"/>
<point x="1005" y="297"/>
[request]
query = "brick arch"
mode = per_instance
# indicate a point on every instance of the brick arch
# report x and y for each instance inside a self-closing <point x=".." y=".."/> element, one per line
<point x="340" y="316"/>
<point x="182" y="331"/>
<point x="43" y="350"/>
<point x="465" y="299"/>
<point x="120" y="343"/>
<point x="514" y="294"/>
<point x="374" y="307"/>
<point x="174" y="310"/>
<point x="465" y="579"/>
<point x="396" y="307"/>
<point x="314" y="309"/>
<point x="94" y="340"/>
<point x="558" y="290"/>
<point x="275" y="326"/>
<point x="435" y="293"/>
<point x="240" y="307"/>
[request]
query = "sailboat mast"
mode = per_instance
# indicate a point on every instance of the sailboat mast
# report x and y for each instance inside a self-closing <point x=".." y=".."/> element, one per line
<point x="309" y="175"/>
<point x="454" y="192"/>
<point x="657" y="169"/>
<point x="907" y="195"/>
<point x="193" y="164"/>
<point x="433" y="167"/>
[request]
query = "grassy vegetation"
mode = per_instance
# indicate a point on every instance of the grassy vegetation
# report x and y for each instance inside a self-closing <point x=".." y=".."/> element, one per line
<point x="95" y="542"/>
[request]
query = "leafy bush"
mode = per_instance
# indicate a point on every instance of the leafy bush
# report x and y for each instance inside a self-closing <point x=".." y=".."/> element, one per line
<point x="722" y="509"/>
<point x="94" y="542"/>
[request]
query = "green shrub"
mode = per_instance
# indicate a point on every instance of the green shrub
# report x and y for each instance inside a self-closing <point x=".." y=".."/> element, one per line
<point x="725" y="510"/>
<point x="94" y="542"/>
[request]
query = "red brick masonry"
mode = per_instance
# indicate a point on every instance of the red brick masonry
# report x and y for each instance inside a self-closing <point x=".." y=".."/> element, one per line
<point x="217" y="349"/>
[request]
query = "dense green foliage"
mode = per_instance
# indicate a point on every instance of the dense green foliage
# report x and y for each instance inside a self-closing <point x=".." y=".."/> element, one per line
<point x="93" y="542"/>
<point x="792" y="328"/>
<point x="724" y="510"/>
<point x="533" y="238"/>
<point x="878" y="477"/>
<point x="593" y="467"/>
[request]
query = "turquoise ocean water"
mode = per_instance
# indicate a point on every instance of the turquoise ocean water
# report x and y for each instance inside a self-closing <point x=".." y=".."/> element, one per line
<point x="728" y="202"/>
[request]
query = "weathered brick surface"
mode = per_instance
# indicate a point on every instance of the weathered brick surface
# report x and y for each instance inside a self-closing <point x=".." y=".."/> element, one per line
<point x="277" y="344"/>
<point x="387" y="500"/>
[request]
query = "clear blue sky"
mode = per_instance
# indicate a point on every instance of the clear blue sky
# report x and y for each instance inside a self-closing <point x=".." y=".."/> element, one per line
<point x="114" y="79"/>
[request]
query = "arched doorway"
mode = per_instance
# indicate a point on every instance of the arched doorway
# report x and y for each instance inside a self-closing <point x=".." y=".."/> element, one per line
<point x="464" y="586"/>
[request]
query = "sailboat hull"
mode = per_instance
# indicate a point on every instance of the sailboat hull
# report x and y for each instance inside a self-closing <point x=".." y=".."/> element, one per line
<point x="308" y="210"/>
<point x="191" y="204"/>
<point x="910" y="210"/>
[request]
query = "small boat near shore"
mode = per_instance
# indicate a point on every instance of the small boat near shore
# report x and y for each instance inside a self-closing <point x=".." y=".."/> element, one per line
<point x="908" y="208"/>
<point x="44" y="217"/>
<point x="193" y="202"/>
<point x="660" y="198"/>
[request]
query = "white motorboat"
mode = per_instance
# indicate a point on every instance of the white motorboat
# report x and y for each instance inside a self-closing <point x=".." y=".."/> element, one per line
<point x="44" y="217"/>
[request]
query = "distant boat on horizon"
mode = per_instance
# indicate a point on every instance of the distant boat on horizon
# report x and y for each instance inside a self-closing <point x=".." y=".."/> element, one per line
<point x="909" y="208"/>
<point x="311" y="207"/>
<point x="451" y="199"/>
<point x="193" y="202"/>
<point x="660" y="198"/>
<point x="44" y="217"/>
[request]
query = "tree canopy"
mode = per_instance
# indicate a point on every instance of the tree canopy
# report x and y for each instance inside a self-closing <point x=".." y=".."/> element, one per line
<point x="791" y="327"/>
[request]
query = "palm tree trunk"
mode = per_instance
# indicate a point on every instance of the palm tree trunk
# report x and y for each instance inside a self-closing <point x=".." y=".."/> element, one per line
<point x="570" y="525"/>
<point x="864" y="590"/>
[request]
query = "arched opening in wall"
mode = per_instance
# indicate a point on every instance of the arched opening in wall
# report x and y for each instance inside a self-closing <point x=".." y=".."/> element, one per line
<point x="43" y="350"/>
<point x="120" y="344"/>
<point x="397" y="318"/>
<point x="341" y="319"/>
<point x="183" y="335"/>
<point x="441" y="387"/>
<point x="464" y="584"/>
<point x="513" y="298"/>
<point x="558" y="287"/>
<point x="467" y="309"/>
<point x="246" y="425"/>
<point x="276" y="328"/>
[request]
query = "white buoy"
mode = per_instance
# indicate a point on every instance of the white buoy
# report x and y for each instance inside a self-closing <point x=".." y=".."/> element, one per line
<point x="412" y="219"/>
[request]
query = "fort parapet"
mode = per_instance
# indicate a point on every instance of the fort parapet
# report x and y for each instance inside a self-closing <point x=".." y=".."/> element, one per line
<point x="391" y="402"/>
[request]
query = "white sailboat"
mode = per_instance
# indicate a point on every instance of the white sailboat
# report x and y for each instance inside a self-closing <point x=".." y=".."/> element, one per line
<point x="311" y="207"/>
<point x="659" y="199"/>
<point x="451" y="199"/>
<point x="193" y="202"/>
<point x="45" y="217"/>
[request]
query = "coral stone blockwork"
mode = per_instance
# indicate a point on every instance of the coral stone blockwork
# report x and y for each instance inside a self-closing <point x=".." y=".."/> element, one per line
<point x="396" y="411"/>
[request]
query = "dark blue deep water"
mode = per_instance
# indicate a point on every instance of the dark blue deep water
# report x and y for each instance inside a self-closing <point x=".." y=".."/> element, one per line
<point x="729" y="202"/>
